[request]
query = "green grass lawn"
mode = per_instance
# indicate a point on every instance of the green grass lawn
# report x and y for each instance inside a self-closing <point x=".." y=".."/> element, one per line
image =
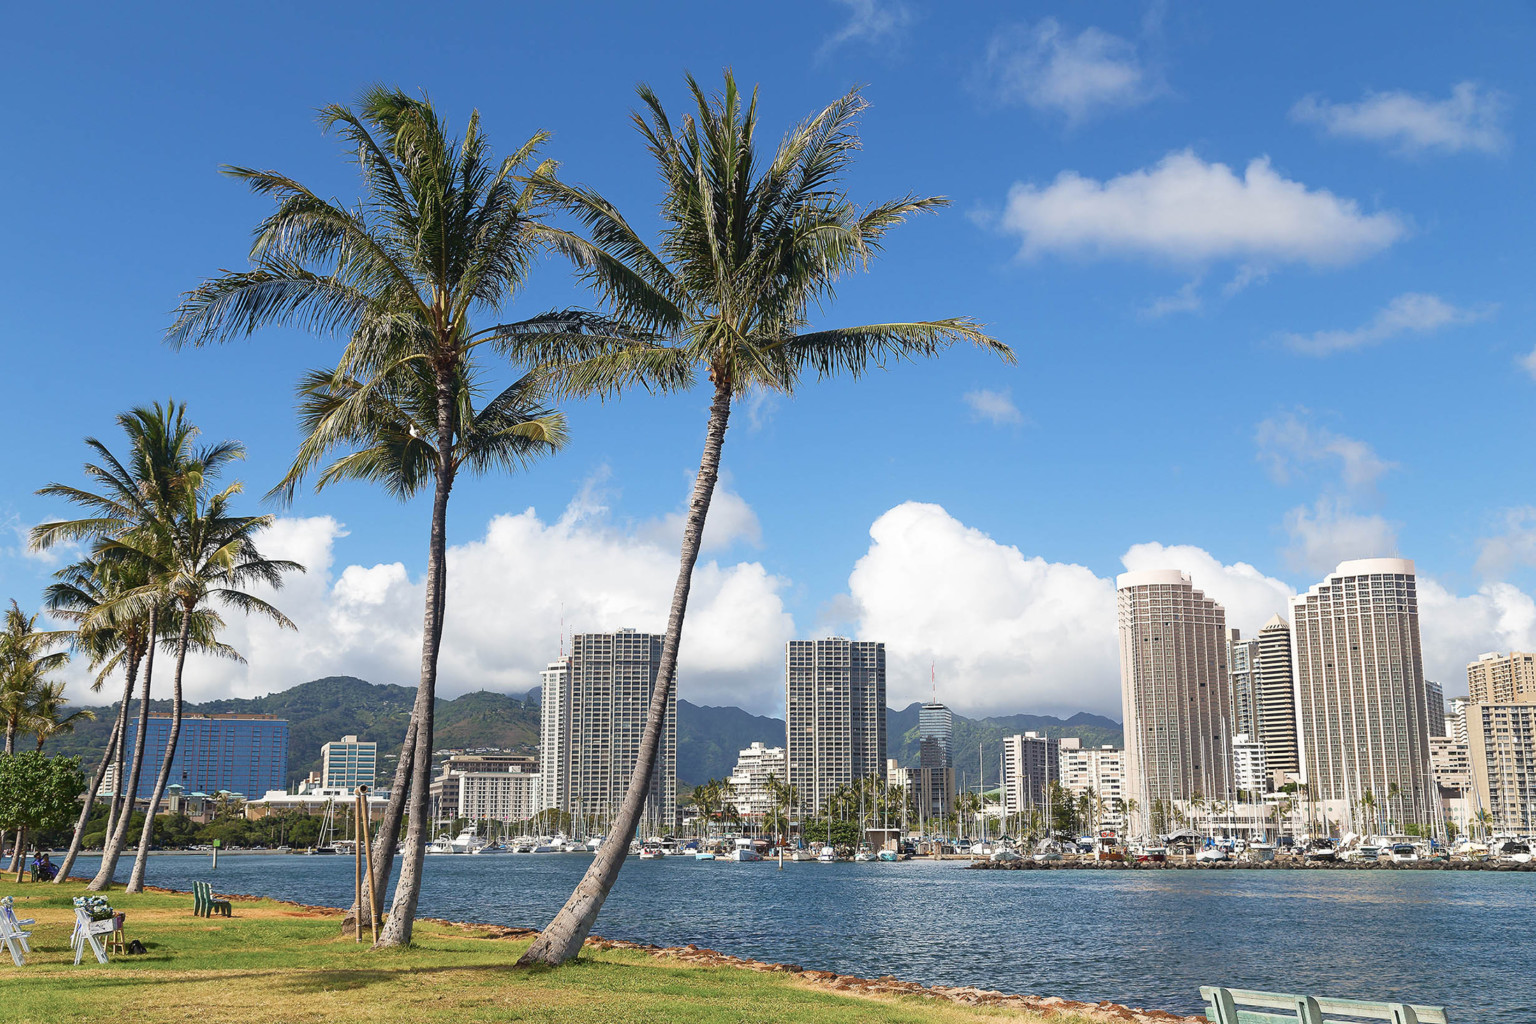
<point x="280" y="963"/>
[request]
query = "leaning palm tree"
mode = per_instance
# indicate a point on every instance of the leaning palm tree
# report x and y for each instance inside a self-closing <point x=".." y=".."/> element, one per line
<point x="200" y="555"/>
<point x="445" y="235"/>
<point x="131" y="494"/>
<point x="384" y="429"/>
<point x="750" y="242"/>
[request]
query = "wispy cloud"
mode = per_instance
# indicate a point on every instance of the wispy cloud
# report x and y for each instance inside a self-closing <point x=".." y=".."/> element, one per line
<point x="1187" y="210"/>
<point x="1472" y="118"/>
<point x="996" y="407"/>
<point x="1410" y="313"/>
<point x="870" y="21"/>
<point x="1046" y="67"/>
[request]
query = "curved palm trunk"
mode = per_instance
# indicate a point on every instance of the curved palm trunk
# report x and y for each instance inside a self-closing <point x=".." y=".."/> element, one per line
<point x="402" y="912"/>
<point x="141" y="862"/>
<point x="113" y="746"/>
<point x="562" y="940"/>
<point x="112" y="849"/>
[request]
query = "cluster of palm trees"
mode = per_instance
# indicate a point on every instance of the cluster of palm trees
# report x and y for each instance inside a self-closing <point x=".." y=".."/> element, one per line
<point x="413" y="280"/>
<point x="164" y="553"/>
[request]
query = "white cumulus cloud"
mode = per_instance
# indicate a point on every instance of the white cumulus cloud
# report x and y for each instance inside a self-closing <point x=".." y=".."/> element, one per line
<point x="1187" y="210"/>
<point x="1471" y="118"/>
<point x="1410" y="313"/>
<point x="507" y="592"/>
<point x="1046" y="67"/>
<point x="996" y="407"/>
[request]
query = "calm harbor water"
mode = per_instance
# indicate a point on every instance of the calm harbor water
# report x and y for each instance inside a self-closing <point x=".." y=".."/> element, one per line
<point x="1146" y="938"/>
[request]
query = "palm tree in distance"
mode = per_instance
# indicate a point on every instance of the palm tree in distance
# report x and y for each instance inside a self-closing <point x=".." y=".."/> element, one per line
<point x="750" y="242"/>
<point x="445" y="233"/>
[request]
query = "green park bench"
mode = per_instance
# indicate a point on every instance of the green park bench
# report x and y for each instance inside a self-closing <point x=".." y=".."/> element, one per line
<point x="1243" y="1006"/>
<point x="204" y="904"/>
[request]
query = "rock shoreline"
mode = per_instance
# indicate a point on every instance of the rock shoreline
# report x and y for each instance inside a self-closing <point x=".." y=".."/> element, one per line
<point x="886" y="985"/>
<point x="1233" y="865"/>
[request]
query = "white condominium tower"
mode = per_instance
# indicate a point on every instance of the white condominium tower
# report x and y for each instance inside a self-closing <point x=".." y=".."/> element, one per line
<point x="1174" y="690"/>
<point x="594" y="706"/>
<point x="834" y="714"/>
<point x="1275" y="691"/>
<point x="1361" y="696"/>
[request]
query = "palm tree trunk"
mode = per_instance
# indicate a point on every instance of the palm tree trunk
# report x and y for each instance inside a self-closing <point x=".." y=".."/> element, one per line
<point x="141" y="862"/>
<point x="402" y="912"/>
<point x="112" y="849"/>
<point x="562" y="940"/>
<point x="101" y="773"/>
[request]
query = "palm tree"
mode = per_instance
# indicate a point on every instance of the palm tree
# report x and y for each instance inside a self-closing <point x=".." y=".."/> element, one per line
<point x="199" y="555"/>
<point x="749" y="243"/>
<point x="46" y="718"/>
<point x="445" y="233"/>
<point x="136" y="496"/>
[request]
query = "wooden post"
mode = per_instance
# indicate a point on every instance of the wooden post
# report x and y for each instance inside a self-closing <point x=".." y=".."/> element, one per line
<point x="373" y="897"/>
<point x="357" y="879"/>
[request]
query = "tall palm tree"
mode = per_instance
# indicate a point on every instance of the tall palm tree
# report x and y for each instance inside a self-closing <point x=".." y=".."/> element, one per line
<point x="132" y="495"/>
<point x="200" y="555"/>
<point x="750" y="242"/>
<point x="445" y="234"/>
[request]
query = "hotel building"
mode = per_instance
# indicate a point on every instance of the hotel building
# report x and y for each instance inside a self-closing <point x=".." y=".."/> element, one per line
<point x="1362" y="700"/>
<point x="835" y="715"/>
<point x="1174" y="690"/>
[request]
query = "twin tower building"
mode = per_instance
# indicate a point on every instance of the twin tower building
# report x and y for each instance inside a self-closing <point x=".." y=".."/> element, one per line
<point x="1335" y="700"/>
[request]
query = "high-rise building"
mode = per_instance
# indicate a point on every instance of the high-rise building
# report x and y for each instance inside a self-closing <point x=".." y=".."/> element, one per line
<point x="1174" y="690"/>
<point x="1031" y="762"/>
<point x="936" y="720"/>
<point x="244" y="754"/>
<point x="1362" y="700"/>
<point x="1276" y="717"/>
<point x="348" y="763"/>
<point x="1243" y="671"/>
<point x="1456" y="720"/>
<point x="1502" y="751"/>
<point x="1502" y="678"/>
<point x="1096" y="770"/>
<point x="1249" y="771"/>
<point x="835" y="714"/>
<point x="555" y="733"/>
<point x="593" y="709"/>
<point x="1434" y="708"/>
<point x="934" y="779"/>
<point x="756" y="766"/>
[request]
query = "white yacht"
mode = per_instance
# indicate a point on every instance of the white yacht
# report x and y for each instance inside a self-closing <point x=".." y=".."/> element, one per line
<point x="744" y="851"/>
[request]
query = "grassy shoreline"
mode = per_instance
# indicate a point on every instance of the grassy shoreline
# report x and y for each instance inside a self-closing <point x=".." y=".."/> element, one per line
<point x="276" y="961"/>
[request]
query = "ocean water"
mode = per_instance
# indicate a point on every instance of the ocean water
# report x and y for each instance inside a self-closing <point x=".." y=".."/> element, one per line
<point x="1145" y="938"/>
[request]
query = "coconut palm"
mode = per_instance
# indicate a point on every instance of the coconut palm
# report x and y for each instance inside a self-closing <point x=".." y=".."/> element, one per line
<point x="445" y="234"/>
<point x="134" y="496"/>
<point x="385" y="428"/>
<point x="199" y="556"/>
<point x="750" y="242"/>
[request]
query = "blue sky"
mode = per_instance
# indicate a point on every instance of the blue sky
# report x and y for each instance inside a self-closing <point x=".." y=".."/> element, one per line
<point x="1267" y="274"/>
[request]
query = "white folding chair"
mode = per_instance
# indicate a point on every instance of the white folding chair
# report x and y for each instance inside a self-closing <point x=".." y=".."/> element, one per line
<point x="89" y="932"/>
<point x="12" y="936"/>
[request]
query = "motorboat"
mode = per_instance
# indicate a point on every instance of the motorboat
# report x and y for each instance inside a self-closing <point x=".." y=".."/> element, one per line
<point x="744" y="851"/>
<point x="1516" y="851"/>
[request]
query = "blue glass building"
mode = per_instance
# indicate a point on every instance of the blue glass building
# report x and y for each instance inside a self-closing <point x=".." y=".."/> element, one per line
<point x="245" y="754"/>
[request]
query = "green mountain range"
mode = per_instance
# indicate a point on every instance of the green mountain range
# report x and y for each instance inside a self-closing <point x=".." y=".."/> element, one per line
<point x="708" y="738"/>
